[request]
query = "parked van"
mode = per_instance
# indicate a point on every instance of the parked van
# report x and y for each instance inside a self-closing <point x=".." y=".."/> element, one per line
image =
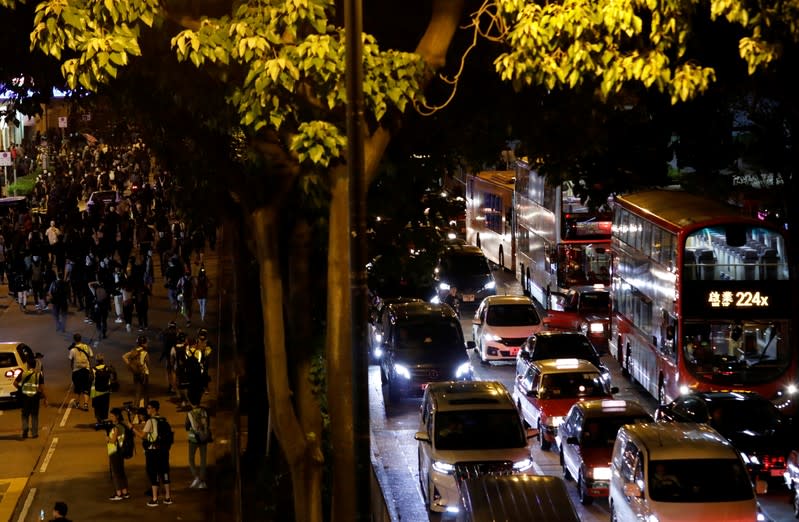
<point x="515" y="498"/>
<point x="679" y="471"/>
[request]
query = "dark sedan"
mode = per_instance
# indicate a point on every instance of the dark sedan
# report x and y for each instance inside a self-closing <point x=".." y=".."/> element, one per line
<point x="559" y="345"/>
<point x="748" y="420"/>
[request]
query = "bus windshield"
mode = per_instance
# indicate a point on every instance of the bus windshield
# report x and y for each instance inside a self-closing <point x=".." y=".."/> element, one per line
<point x="734" y="253"/>
<point x="736" y="352"/>
<point x="583" y="264"/>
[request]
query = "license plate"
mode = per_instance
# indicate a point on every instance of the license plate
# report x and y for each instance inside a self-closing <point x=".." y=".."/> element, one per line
<point x="777" y="472"/>
<point x="468" y="298"/>
<point x="514" y="351"/>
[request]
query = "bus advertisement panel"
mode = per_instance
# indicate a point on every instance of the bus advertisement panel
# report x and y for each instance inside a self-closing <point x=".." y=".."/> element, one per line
<point x="561" y="243"/>
<point x="489" y="215"/>
<point x="700" y="299"/>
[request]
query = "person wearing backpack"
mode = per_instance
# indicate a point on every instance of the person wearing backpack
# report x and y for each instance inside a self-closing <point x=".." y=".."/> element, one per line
<point x="59" y="298"/>
<point x="118" y="437"/>
<point x="138" y="360"/>
<point x="30" y="388"/>
<point x="101" y="389"/>
<point x="157" y="438"/>
<point x="80" y="356"/>
<point x="178" y="357"/>
<point x="198" y="424"/>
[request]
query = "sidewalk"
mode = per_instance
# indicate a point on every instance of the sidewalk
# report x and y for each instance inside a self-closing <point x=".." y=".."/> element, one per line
<point x="77" y="469"/>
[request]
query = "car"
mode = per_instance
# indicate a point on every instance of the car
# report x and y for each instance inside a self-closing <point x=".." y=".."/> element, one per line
<point x="748" y="420"/>
<point x="547" y="344"/>
<point x="466" y="430"/>
<point x="422" y="343"/>
<point x="586" y="440"/>
<point x="465" y="268"/>
<point x="584" y="309"/>
<point x="106" y="197"/>
<point x="11" y="365"/>
<point x="378" y="309"/>
<point x="679" y="471"/>
<point x="501" y="324"/>
<point x="546" y="389"/>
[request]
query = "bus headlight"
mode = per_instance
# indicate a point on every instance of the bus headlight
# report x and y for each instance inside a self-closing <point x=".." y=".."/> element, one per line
<point x="402" y="371"/>
<point x="444" y="468"/>
<point x="443" y="286"/>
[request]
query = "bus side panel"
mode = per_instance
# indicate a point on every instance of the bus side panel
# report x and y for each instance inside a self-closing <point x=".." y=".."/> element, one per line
<point x="497" y="245"/>
<point x="639" y="359"/>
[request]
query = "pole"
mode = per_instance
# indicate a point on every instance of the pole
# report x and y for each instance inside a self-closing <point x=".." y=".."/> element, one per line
<point x="353" y="23"/>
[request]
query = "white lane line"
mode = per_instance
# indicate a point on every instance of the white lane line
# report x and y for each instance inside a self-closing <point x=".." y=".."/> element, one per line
<point x="65" y="417"/>
<point x="25" y="507"/>
<point x="49" y="455"/>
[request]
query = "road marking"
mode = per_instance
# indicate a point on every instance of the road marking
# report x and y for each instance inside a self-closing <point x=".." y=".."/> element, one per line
<point x="65" y="417"/>
<point x="28" y="502"/>
<point x="49" y="455"/>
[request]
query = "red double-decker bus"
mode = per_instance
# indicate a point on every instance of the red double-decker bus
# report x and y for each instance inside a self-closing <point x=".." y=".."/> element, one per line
<point x="700" y="295"/>
<point x="560" y="242"/>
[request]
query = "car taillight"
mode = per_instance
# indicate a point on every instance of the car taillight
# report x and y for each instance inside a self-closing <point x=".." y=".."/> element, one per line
<point x="773" y="462"/>
<point x="12" y="374"/>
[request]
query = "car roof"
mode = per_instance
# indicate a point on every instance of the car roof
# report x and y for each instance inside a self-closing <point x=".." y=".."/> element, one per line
<point x="517" y="497"/>
<point x="8" y="346"/>
<point x="454" y="250"/>
<point x="680" y="440"/>
<point x="565" y="366"/>
<point x="420" y="309"/>
<point x="582" y="289"/>
<point x="712" y="396"/>
<point x="611" y="408"/>
<point x="469" y="395"/>
<point x="508" y="299"/>
<point x="558" y="333"/>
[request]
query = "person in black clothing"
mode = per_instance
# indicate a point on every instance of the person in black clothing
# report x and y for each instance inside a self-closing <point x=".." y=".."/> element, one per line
<point x="453" y="300"/>
<point x="60" y="512"/>
<point x="59" y="299"/>
<point x="169" y="337"/>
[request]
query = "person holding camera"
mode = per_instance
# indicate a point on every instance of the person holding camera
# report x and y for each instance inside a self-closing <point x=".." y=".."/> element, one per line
<point x="156" y="451"/>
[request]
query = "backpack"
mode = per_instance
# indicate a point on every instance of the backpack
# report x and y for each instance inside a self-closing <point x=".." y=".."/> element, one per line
<point x="164" y="436"/>
<point x="127" y="449"/>
<point x="102" y="379"/>
<point x="135" y="362"/>
<point x="59" y="291"/>
<point x="200" y="425"/>
<point x="193" y="369"/>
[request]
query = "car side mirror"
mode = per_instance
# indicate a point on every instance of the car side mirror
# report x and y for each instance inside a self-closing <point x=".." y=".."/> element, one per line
<point x="572" y="440"/>
<point x="470" y="345"/>
<point x="422" y="436"/>
<point x="532" y="393"/>
<point x="532" y="433"/>
<point x="631" y="489"/>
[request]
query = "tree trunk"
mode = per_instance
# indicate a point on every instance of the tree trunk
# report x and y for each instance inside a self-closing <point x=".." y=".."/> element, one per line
<point x="284" y="420"/>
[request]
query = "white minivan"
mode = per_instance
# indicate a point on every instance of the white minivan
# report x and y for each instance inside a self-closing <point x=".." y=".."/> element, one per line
<point x="681" y="471"/>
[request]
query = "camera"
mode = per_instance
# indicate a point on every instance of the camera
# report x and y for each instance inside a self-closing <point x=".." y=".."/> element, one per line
<point x="104" y="425"/>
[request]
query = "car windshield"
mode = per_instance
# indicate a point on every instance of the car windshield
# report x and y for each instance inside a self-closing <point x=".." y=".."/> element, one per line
<point x="595" y="302"/>
<point x="430" y="336"/>
<point x="467" y="266"/>
<point x="512" y="315"/>
<point x="601" y="432"/>
<point x="564" y="346"/>
<point x="755" y="414"/>
<point x="699" y="480"/>
<point x="568" y="385"/>
<point x="7" y="360"/>
<point x="479" y="430"/>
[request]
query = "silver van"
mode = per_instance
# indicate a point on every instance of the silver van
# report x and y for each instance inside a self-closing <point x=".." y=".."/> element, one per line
<point x="679" y="471"/>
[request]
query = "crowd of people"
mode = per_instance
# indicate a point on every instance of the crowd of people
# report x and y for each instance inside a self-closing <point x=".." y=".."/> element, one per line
<point x="58" y="253"/>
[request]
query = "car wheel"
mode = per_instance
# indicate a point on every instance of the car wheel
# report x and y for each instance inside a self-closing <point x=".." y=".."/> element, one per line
<point x="582" y="492"/>
<point x="483" y="360"/>
<point x="612" y="513"/>
<point x="566" y="475"/>
<point x="393" y="393"/>
<point x="545" y="444"/>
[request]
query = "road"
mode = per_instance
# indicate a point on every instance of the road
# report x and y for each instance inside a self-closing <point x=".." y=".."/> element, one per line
<point x="393" y="442"/>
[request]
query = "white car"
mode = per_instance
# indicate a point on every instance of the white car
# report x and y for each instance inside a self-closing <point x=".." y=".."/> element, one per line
<point x="501" y="325"/>
<point x="468" y="429"/>
<point x="11" y="366"/>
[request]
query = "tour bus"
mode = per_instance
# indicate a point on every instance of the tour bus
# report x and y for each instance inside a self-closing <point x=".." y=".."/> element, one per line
<point x="489" y="215"/>
<point x="700" y="297"/>
<point x="560" y="243"/>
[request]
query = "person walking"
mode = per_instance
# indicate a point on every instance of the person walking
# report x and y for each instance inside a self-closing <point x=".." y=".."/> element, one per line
<point x="201" y="286"/>
<point x="80" y="357"/>
<point x="101" y="308"/>
<point x="116" y="461"/>
<point x="59" y="298"/>
<point x="185" y="290"/>
<point x="138" y="360"/>
<point x="156" y="452"/>
<point x="30" y="386"/>
<point x="198" y="424"/>
<point x="178" y="358"/>
<point x="169" y="337"/>
<point x="101" y="389"/>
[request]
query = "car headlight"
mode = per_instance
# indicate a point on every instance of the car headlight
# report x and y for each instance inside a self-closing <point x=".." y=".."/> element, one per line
<point x="600" y="473"/>
<point x="523" y="465"/>
<point x="444" y="468"/>
<point x="435" y="300"/>
<point x="555" y="421"/>
<point x="403" y="371"/>
<point x="378" y="353"/>
<point x="464" y="370"/>
<point x="379" y="337"/>
<point x="490" y="285"/>
<point x="684" y="390"/>
<point x="492" y="337"/>
<point x="443" y="286"/>
<point x="791" y="389"/>
<point x="596" y="328"/>
<point x="451" y="235"/>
